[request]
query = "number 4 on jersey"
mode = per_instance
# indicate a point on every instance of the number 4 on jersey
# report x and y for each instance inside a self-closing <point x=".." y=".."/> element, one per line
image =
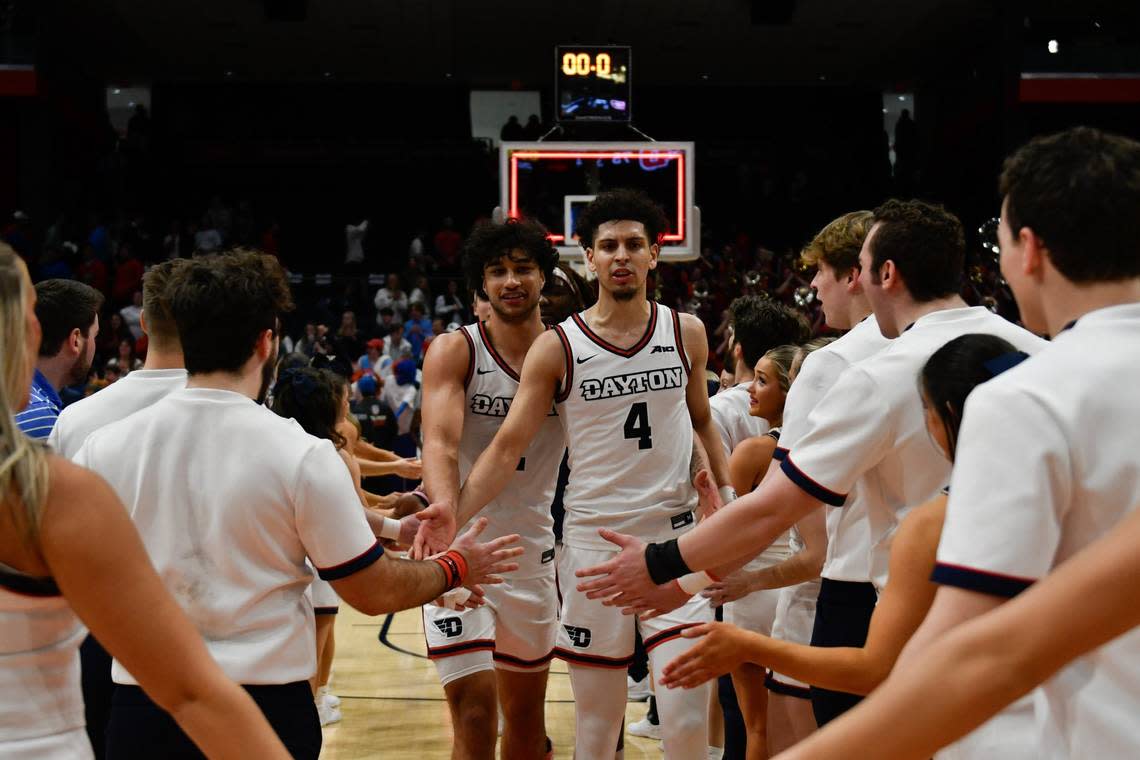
<point x="637" y="425"/>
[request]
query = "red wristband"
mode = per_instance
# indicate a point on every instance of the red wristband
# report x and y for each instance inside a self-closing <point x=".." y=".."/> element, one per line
<point x="454" y="568"/>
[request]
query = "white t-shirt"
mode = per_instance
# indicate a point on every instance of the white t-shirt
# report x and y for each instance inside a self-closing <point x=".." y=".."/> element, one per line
<point x="120" y="399"/>
<point x="870" y="426"/>
<point x="848" y="533"/>
<point x="403" y="400"/>
<point x="730" y="414"/>
<point x="229" y="500"/>
<point x="1046" y="464"/>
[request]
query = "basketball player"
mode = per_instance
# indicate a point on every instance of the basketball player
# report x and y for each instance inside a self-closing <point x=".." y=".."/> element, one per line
<point x="470" y="378"/>
<point x="163" y="373"/>
<point x="628" y="376"/>
<point x="867" y="429"/>
<point x="230" y="499"/>
<point x="1062" y="421"/>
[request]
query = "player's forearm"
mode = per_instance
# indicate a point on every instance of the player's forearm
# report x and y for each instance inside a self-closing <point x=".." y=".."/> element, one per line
<point x="373" y="469"/>
<point x="441" y="472"/>
<point x="366" y="451"/>
<point x="799" y="568"/>
<point x="487" y="479"/>
<point x="714" y="451"/>
<point x="732" y="535"/>
<point x="408" y="584"/>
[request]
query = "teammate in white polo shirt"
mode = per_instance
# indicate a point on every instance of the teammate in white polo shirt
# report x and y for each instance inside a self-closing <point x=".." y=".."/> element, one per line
<point x="629" y="404"/>
<point x="230" y="499"/>
<point x="867" y="429"/>
<point x="500" y="651"/>
<point x="163" y="373"/>
<point x="1062" y="423"/>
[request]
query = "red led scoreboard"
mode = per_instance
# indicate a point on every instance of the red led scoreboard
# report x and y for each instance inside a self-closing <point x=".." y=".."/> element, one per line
<point x="553" y="181"/>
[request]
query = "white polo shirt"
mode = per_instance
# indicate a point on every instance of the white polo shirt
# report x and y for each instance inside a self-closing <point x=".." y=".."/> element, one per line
<point x="870" y="426"/>
<point x="1047" y="464"/>
<point x="120" y="399"/>
<point x="848" y="533"/>
<point x="230" y="499"/>
<point x="730" y="415"/>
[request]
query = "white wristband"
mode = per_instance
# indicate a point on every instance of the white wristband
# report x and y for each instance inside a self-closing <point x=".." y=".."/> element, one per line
<point x="454" y="599"/>
<point x="727" y="494"/>
<point x="695" y="582"/>
<point x="391" y="529"/>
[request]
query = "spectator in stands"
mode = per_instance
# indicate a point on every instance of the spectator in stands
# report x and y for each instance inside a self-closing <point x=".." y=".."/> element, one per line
<point x="207" y="238"/>
<point x="92" y="270"/>
<point x="132" y="315"/>
<point x="418" y="329"/>
<point x="533" y="129"/>
<point x="174" y="244"/>
<point x="421" y="294"/>
<point x="16" y="235"/>
<point x="126" y="358"/>
<point x="402" y="397"/>
<point x="385" y="318"/>
<point x="100" y="238"/>
<point x="393" y="297"/>
<point x="396" y="346"/>
<point x="447" y="243"/>
<point x="449" y="306"/>
<point x="128" y="276"/>
<point x="349" y="341"/>
<point x="354" y="245"/>
<point x="369" y="361"/>
<point x="307" y="343"/>
<point x="68" y="312"/>
<point x="53" y="264"/>
<point x="512" y="130"/>
<point x="482" y="307"/>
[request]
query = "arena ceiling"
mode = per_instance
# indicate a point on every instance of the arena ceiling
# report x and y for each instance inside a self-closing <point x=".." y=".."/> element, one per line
<point x="497" y="44"/>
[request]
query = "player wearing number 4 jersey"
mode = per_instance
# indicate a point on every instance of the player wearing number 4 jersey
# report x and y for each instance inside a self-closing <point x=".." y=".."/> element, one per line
<point x="629" y="379"/>
<point x="470" y="380"/>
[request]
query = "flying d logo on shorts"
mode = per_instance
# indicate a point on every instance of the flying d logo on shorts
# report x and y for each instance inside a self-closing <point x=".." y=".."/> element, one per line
<point x="449" y="627"/>
<point x="579" y="637"/>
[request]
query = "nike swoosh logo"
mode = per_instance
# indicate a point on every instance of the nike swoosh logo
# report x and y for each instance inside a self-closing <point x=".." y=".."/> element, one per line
<point x="582" y="360"/>
<point x="483" y="371"/>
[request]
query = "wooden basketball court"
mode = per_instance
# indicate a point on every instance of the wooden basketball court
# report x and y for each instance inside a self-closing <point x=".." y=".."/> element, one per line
<point x="394" y="707"/>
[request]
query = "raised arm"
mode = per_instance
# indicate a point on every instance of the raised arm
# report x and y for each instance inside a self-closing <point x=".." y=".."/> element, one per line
<point x="972" y="672"/>
<point x="446" y="368"/>
<point x="542" y="373"/>
<point x="108" y="581"/>
<point x="697" y="396"/>
<point x="856" y="670"/>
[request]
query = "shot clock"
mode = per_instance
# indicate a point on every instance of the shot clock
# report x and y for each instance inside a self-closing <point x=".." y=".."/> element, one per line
<point x="592" y="83"/>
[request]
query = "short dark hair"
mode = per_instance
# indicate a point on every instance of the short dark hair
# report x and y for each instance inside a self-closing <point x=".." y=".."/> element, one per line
<point x="222" y="303"/>
<point x="953" y="371"/>
<point x="490" y="241"/>
<point x="160" y="325"/>
<point x="1079" y="191"/>
<point x="760" y="324"/>
<point x="926" y="243"/>
<point x="63" y="306"/>
<point x="614" y="205"/>
<point x="312" y="397"/>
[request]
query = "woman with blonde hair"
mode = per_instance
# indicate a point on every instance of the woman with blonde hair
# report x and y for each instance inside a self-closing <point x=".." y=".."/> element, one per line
<point x="56" y="582"/>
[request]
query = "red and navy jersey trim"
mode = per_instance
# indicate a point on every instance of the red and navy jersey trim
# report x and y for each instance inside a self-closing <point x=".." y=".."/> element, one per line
<point x="354" y="565"/>
<point x="780" y="454"/>
<point x="593" y="661"/>
<point x="495" y="354"/>
<point x="623" y="352"/>
<point x="982" y="581"/>
<point x="325" y="610"/>
<point x="667" y="635"/>
<point x="680" y="341"/>
<point x="470" y="358"/>
<point x="463" y="647"/>
<point x="567" y="382"/>
<point x="809" y="486"/>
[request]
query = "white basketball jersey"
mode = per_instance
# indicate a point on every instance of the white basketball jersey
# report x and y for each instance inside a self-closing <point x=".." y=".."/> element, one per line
<point x="628" y="432"/>
<point x="522" y="507"/>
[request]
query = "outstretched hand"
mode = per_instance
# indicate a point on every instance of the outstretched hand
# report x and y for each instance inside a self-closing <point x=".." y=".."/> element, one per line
<point x="436" y="530"/>
<point x="708" y="497"/>
<point x="621" y="580"/>
<point x="719" y="651"/>
<point x="486" y="562"/>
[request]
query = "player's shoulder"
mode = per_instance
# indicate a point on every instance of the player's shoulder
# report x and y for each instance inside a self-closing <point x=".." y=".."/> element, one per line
<point x="754" y="446"/>
<point x="450" y="355"/>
